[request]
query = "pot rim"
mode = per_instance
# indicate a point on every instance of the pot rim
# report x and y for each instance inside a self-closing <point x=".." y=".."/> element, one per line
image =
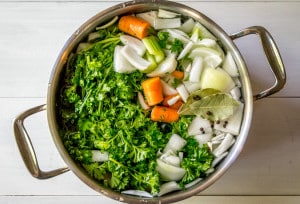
<point x="139" y="6"/>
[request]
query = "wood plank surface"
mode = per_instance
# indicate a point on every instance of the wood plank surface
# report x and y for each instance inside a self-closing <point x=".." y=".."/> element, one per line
<point x="192" y="200"/>
<point x="32" y="34"/>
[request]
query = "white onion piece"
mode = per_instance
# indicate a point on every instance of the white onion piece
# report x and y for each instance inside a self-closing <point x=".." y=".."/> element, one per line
<point x="165" y="23"/>
<point x="224" y="146"/>
<point x="149" y="16"/>
<point x="204" y="32"/>
<point x="218" y="137"/>
<point x="203" y="139"/>
<point x="195" y="37"/>
<point x="236" y="93"/>
<point x="187" y="48"/>
<point x="134" y="43"/>
<point x="138" y="193"/>
<point x="210" y="170"/>
<point x="171" y="159"/>
<point x="180" y="154"/>
<point x="193" y="183"/>
<point x="111" y="22"/>
<point x="218" y="159"/>
<point x="175" y="143"/>
<point x="233" y="123"/>
<point x="168" y="65"/>
<point x="196" y="70"/>
<point x="162" y="13"/>
<point x="206" y="42"/>
<point x="180" y="35"/>
<point x="229" y="65"/>
<point x="212" y="61"/>
<point x="237" y="81"/>
<point x="93" y="36"/>
<point x="199" y="126"/>
<point x="82" y="46"/>
<point x="142" y="101"/>
<point x="188" y="25"/>
<point x="169" y="172"/>
<point x="168" y="187"/>
<point x="209" y="144"/>
<point x="121" y="64"/>
<point x="173" y="100"/>
<point x="191" y="86"/>
<point x="167" y="89"/>
<point x="184" y="94"/>
<point x="134" y="59"/>
<point x="98" y="156"/>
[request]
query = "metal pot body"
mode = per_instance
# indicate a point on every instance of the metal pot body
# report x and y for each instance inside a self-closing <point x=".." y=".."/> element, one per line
<point x="270" y="49"/>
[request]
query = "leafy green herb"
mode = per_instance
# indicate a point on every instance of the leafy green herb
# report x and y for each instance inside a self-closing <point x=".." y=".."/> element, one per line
<point x="163" y="39"/>
<point x="196" y="161"/>
<point x="177" y="46"/>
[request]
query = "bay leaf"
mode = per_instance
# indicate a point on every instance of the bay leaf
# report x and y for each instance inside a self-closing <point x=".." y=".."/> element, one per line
<point x="218" y="106"/>
<point x="196" y="96"/>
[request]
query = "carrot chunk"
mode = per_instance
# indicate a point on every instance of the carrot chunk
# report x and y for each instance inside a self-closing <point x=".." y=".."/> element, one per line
<point x="134" y="26"/>
<point x="164" y="114"/>
<point x="178" y="74"/>
<point x="174" y="105"/>
<point x="153" y="91"/>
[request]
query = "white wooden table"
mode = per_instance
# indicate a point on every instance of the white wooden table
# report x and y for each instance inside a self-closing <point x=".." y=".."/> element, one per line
<point x="33" y="32"/>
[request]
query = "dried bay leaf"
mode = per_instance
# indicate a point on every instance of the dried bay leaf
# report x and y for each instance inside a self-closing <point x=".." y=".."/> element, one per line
<point x="210" y="104"/>
<point x="214" y="107"/>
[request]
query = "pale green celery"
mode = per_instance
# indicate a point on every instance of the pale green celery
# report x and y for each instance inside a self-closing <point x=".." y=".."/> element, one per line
<point x="152" y="46"/>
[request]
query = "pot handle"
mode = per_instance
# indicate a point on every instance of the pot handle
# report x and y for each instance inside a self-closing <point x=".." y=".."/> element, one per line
<point x="26" y="149"/>
<point x="272" y="53"/>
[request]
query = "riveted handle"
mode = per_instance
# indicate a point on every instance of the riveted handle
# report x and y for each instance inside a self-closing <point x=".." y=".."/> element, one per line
<point x="272" y="53"/>
<point x="26" y="149"/>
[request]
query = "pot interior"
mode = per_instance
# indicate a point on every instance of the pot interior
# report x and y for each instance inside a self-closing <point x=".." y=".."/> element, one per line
<point x="135" y="7"/>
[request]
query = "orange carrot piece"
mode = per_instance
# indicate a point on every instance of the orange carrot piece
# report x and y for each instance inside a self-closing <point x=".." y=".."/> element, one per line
<point x="176" y="105"/>
<point x="178" y="74"/>
<point x="134" y="26"/>
<point x="153" y="91"/>
<point x="164" y="114"/>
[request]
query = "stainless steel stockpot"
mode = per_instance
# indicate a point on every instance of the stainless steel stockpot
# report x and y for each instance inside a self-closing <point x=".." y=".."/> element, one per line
<point x="269" y="47"/>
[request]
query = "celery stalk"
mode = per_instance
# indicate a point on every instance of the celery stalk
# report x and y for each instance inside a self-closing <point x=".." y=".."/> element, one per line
<point x="152" y="46"/>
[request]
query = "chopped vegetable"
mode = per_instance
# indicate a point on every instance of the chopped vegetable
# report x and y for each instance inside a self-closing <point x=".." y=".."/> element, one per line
<point x="169" y="172"/>
<point x="134" y="59"/>
<point x="173" y="101"/>
<point x="153" y="91"/>
<point x="142" y="102"/>
<point x="216" y="79"/>
<point x="152" y="46"/>
<point x="164" y="114"/>
<point x="182" y="92"/>
<point x="110" y="23"/>
<point x="229" y="65"/>
<point x="165" y="67"/>
<point x="175" y="144"/>
<point x="178" y="74"/>
<point x="162" y="13"/>
<point x="168" y="89"/>
<point x="196" y="69"/>
<point x="134" y="26"/>
<point x="135" y="43"/>
<point x="121" y="64"/>
<point x="164" y="23"/>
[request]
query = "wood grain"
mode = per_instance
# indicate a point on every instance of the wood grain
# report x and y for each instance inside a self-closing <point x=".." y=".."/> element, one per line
<point x="32" y="34"/>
